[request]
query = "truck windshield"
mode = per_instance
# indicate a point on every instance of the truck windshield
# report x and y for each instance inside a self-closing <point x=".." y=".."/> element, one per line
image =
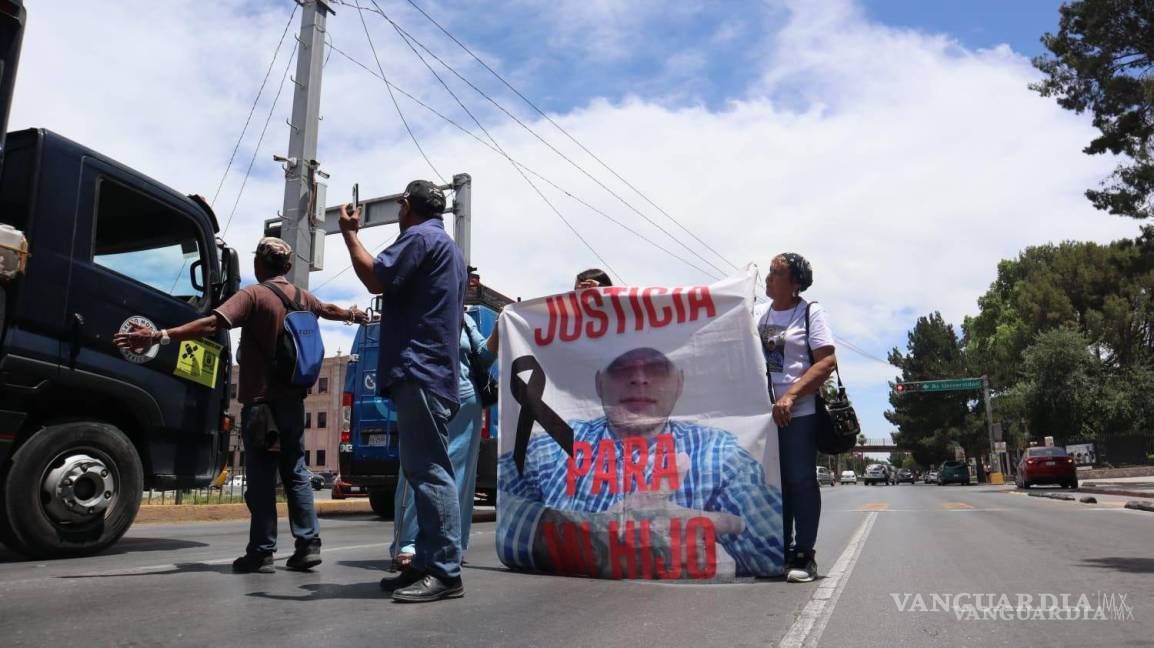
<point x="16" y="187"/>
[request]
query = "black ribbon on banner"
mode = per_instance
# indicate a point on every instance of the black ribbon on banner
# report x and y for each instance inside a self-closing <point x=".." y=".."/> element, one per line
<point x="528" y="395"/>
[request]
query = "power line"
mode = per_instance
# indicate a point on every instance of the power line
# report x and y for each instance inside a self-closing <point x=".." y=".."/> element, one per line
<point x="501" y="150"/>
<point x="260" y="140"/>
<point x="858" y="350"/>
<point x="396" y="105"/>
<point x="252" y="109"/>
<point x="407" y="36"/>
<point x="526" y="168"/>
<point x="567" y="134"/>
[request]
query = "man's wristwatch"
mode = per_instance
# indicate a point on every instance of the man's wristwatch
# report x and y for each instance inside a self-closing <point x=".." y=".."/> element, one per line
<point x="164" y="339"/>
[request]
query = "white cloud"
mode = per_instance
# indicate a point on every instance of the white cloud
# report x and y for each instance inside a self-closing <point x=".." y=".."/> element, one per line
<point x="902" y="164"/>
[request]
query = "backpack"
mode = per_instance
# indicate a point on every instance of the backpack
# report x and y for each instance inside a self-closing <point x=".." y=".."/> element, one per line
<point x="299" y="348"/>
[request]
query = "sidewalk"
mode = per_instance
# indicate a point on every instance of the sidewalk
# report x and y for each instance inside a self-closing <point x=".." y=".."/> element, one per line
<point x="1126" y="486"/>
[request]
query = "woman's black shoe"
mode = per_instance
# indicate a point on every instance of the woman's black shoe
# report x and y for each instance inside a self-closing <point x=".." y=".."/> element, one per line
<point x="407" y="577"/>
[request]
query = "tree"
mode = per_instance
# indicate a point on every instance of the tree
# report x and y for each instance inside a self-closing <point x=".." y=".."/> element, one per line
<point x="1063" y="386"/>
<point x="1100" y="60"/>
<point x="929" y="424"/>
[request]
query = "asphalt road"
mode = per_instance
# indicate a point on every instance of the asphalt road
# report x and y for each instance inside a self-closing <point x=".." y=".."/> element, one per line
<point x="882" y="549"/>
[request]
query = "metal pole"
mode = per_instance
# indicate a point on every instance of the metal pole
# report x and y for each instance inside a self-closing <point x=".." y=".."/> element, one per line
<point x="992" y="456"/>
<point x="463" y="213"/>
<point x="302" y="152"/>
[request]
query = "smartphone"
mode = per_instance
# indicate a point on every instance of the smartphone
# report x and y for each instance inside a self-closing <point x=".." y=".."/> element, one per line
<point x="356" y="195"/>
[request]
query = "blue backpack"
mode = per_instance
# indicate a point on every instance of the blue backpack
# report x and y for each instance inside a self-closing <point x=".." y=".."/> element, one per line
<point x="299" y="347"/>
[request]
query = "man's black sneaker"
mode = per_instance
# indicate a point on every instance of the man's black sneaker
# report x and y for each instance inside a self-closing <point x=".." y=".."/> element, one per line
<point x="802" y="568"/>
<point x="253" y="564"/>
<point x="407" y="577"/>
<point x="430" y="588"/>
<point x="306" y="556"/>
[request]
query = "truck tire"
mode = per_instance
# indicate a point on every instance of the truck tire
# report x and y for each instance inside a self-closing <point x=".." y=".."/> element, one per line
<point x="382" y="502"/>
<point x="72" y="490"/>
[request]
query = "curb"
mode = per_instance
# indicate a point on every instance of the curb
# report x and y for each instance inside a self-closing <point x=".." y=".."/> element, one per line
<point x="163" y="513"/>
<point x="173" y="513"/>
<point x="1114" y="491"/>
<point x="1140" y="505"/>
<point x="1057" y="496"/>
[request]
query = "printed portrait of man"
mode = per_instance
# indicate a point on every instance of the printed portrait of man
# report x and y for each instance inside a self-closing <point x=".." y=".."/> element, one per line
<point x="634" y="465"/>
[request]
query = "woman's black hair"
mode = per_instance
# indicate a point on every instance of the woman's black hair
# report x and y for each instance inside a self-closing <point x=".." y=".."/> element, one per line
<point x="596" y="274"/>
<point x="799" y="269"/>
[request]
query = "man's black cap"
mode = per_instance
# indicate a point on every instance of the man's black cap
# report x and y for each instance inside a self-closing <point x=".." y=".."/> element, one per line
<point x="425" y="198"/>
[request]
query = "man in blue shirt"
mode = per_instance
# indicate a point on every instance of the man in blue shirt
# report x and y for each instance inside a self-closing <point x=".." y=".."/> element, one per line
<point x="623" y="477"/>
<point x="421" y="278"/>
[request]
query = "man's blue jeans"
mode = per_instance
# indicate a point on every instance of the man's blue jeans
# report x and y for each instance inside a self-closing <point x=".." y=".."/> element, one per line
<point x="800" y="492"/>
<point x="464" y="446"/>
<point x="262" y="466"/>
<point x="423" y="425"/>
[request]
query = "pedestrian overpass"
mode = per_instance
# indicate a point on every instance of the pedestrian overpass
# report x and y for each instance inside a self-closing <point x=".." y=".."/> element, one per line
<point x="875" y="445"/>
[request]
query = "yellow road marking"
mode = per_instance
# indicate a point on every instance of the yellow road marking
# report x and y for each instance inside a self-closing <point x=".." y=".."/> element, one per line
<point x="875" y="506"/>
<point x="957" y="506"/>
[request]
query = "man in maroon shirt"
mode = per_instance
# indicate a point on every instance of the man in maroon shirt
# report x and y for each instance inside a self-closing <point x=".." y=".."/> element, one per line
<point x="260" y="314"/>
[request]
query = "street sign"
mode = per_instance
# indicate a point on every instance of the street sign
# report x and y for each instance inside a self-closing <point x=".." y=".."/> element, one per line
<point x="999" y="446"/>
<point x="956" y="384"/>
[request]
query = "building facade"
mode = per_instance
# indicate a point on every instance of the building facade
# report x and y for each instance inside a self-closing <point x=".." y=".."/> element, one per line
<point x="322" y="417"/>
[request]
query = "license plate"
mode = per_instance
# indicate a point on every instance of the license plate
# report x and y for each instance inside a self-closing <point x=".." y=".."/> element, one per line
<point x="1051" y="463"/>
<point x="377" y="440"/>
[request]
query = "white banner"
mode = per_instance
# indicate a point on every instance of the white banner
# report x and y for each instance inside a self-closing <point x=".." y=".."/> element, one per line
<point x="636" y="437"/>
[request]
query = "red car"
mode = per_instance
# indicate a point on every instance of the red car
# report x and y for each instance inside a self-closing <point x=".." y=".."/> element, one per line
<point x="343" y="489"/>
<point x="1046" y="466"/>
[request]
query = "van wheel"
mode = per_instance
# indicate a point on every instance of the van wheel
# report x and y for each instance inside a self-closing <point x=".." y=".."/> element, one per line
<point x="382" y="502"/>
<point x="72" y="489"/>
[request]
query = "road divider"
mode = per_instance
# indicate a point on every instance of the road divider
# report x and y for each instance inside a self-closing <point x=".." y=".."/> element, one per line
<point x="1057" y="496"/>
<point x="1140" y="505"/>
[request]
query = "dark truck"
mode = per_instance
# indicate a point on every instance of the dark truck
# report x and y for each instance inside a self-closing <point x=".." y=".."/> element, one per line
<point x="85" y="427"/>
<point x="369" y="437"/>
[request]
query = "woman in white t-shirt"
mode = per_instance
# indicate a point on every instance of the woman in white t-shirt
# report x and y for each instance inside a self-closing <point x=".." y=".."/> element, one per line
<point x="794" y="379"/>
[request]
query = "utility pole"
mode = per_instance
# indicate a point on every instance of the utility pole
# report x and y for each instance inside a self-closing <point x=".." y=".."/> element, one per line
<point x="299" y="216"/>
<point x="994" y="459"/>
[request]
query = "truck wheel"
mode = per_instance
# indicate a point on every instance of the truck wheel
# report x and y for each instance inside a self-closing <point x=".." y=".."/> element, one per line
<point x="381" y="501"/>
<point x="72" y="490"/>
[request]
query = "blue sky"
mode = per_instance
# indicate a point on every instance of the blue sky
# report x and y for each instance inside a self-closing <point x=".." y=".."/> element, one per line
<point x="873" y="136"/>
<point x="691" y="52"/>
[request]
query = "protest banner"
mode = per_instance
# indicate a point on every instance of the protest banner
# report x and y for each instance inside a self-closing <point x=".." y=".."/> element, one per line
<point x="637" y="440"/>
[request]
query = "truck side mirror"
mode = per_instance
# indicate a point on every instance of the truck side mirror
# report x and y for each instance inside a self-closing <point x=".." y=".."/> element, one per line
<point x="231" y="283"/>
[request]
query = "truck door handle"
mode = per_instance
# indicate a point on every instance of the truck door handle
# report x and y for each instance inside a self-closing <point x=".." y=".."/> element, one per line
<point x="77" y="325"/>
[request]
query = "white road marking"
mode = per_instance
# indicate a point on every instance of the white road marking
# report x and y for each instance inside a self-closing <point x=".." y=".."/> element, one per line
<point x="810" y="624"/>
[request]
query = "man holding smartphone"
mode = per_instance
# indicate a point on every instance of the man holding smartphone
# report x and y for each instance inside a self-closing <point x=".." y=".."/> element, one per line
<point x="421" y="278"/>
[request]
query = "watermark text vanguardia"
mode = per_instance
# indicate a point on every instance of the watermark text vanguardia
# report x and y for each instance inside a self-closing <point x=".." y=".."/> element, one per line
<point x="1060" y="606"/>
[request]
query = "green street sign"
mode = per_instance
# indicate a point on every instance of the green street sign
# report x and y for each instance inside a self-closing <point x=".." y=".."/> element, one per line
<point x="957" y="384"/>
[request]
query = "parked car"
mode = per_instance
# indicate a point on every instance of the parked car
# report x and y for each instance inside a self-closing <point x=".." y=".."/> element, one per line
<point x="342" y="489"/>
<point x="931" y="477"/>
<point x="824" y="476"/>
<point x="848" y="477"/>
<point x="323" y="479"/>
<point x="1046" y="466"/>
<point x="876" y="474"/>
<point x="954" y="472"/>
<point x="906" y="475"/>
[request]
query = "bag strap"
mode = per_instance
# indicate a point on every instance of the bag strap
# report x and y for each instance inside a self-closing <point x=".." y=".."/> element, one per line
<point x="291" y="306"/>
<point x="809" y="348"/>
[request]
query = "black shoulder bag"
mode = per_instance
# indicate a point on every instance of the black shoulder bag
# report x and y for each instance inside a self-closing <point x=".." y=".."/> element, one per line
<point x="484" y="383"/>
<point x="837" y="423"/>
